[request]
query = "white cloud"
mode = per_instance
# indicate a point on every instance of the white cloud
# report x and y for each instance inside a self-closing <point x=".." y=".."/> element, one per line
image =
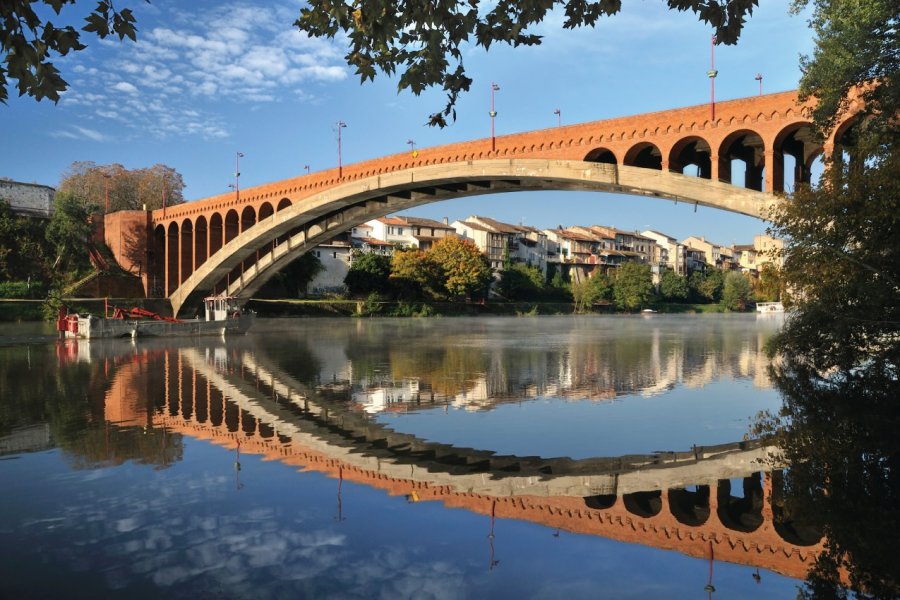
<point x="236" y="53"/>
<point x="76" y="132"/>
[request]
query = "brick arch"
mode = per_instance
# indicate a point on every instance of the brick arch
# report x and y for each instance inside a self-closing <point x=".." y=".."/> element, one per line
<point x="795" y="139"/>
<point x="748" y="146"/>
<point x="643" y="154"/>
<point x="201" y="241"/>
<point x="691" y="150"/>
<point x="601" y="155"/>
<point x="282" y="204"/>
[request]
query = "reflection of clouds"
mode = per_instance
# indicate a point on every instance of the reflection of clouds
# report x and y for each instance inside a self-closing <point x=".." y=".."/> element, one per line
<point x="182" y="539"/>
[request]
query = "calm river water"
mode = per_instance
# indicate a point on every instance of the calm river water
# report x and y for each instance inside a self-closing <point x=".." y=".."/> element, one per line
<point x="537" y="457"/>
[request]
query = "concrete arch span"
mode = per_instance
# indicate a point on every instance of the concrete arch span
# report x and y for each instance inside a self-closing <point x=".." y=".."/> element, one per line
<point x="276" y="240"/>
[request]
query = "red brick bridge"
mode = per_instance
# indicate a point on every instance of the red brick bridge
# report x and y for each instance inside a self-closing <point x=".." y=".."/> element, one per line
<point x="234" y="244"/>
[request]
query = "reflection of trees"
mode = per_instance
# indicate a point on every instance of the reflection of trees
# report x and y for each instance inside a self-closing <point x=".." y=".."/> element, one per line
<point x="107" y="445"/>
<point x="841" y="438"/>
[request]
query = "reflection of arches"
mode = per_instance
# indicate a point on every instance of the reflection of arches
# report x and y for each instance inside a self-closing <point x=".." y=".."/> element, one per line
<point x="689" y="151"/>
<point x="690" y="508"/>
<point x="791" y="530"/>
<point x="748" y="147"/>
<point x="600" y="502"/>
<point x="644" y="155"/>
<point x="797" y="140"/>
<point x="643" y="504"/>
<point x="741" y="514"/>
<point x="601" y="155"/>
<point x="172" y="258"/>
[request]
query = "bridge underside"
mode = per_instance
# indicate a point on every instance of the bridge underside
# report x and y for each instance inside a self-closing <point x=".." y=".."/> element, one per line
<point x="275" y="241"/>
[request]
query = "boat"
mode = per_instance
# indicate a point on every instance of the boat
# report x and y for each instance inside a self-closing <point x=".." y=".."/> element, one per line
<point x="223" y="316"/>
<point x="769" y="307"/>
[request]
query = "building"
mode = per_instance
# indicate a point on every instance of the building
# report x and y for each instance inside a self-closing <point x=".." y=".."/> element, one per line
<point x="712" y="252"/>
<point x="769" y="250"/>
<point x="408" y="232"/>
<point x="335" y="256"/>
<point x="670" y="253"/>
<point x="500" y="242"/>
<point x="28" y="199"/>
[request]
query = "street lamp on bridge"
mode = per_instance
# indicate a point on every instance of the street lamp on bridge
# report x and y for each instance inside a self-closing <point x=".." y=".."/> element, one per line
<point x="307" y="169"/>
<point x="759" y="79"/>
<point x="412" y="146"/>
<point x="493" y="113"/>
<point x="237" y="175"/>
<point x="340" y="125"/>
<point x="558" y="114"/>
<point x="712" y="78"/>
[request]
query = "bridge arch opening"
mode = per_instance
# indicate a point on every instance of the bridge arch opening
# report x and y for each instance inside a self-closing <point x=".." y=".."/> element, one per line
<point x="690" y="507"/>
<point x="186" y="246"/>
<point x="691" y="156"/>
<point x="601" y="501"/>
<point x="266" y="211"/>
<point x="743" y="150"/>
<point x="796" y="148"/>
<point x="201" y="241"/>
<point x="158" y="262"/>
<point x="216" y="233"/>
<point x="644" y="155"/>
<point x="601" y="155"/>
<point x="643" y="504"/>
<point x="172" y="280"/>
<point x="741" y="513"/>
<point x="283" y="204"/>
<point x="788" y="525"/>
<point x="232" y="225"/>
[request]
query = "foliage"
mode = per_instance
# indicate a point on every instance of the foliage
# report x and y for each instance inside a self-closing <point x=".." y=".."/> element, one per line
<point x="69" y="231"/>
<point x="425" y="41"/>
<point x="522" y="282"/>
<point x="842" y="265"/>
<point x="673" y="286"/>
<point x="292" y="281"/>
<point x="706" y="286"/>
<point x="769" y="285"/>
<point x="736" y="292"/>
<point x="368" y="274"/>
<point x="28" y="42"/>
<point x="632" y="286"/>
<point x="129" y="189"/>
<point x="590" y="291"/>
<point x="24" y="250"/>
<point x="415" y="275"/>
<point x="22" y="289"/>
<point x="466" y="271"/>
<point x="856" y="45"/>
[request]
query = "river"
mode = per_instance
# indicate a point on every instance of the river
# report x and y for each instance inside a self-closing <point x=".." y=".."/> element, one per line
<point x="529" y="457"/>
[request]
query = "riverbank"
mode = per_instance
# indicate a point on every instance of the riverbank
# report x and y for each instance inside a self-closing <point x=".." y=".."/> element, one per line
<point x="12" y="311"/>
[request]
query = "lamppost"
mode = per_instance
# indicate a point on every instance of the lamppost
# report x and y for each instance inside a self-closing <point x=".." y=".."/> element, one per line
<point x="340" y="125"/>
<point x="558" y="114"/>
<point x="412" y="146"/>
<point x="759" y="79"/>
<point x="307" y="169"/>
<point x="237" y="175"/>
<point x="493" y="113"/>
<point x="712" y="78"/>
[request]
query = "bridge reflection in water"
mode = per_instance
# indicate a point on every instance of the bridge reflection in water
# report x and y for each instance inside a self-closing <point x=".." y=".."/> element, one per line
<point x="680" y="500"/>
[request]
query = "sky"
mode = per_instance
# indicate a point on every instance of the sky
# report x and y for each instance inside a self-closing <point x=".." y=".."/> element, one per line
<point x="206" y="80"/>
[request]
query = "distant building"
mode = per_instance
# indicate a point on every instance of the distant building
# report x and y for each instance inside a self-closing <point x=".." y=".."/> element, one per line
<point x="499" y="241"/>
<point x="769" y="250"/>
<point x="409" y="232"/>
<point x="671" y="252"/>
<point x="28" y="199"/>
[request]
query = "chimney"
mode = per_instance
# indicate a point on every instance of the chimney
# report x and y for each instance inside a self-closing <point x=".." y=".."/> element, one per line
<point x="446" y="221"/>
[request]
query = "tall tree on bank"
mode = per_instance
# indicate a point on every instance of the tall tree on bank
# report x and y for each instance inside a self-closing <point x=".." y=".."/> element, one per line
<point x="425" y="41"/>
<point x="127" y="189"/>
<point x="632" y="286"/>
<point x="466" y="270"/>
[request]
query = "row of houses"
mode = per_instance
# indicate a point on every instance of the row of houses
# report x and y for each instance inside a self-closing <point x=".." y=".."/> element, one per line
<point x="578" y="250"/>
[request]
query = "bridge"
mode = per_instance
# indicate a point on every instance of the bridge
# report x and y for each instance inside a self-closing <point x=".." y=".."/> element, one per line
<point x="233" y="395"/>
<point x="233" y="243"/>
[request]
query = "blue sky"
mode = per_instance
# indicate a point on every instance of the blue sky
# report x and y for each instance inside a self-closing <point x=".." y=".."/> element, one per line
<point x="208" y="79"/>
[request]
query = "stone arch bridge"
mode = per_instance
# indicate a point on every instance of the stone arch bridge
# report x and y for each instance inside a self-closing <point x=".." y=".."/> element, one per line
<point x="233" y="243"/>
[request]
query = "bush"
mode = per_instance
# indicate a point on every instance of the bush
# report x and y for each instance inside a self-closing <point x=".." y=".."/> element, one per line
<point x="22" y="289"/>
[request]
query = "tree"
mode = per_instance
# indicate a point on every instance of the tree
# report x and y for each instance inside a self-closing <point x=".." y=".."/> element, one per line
<point x="24" y="250"/>
<point x="632" y="285"/>
<point x="368" y="273"/>
<point x="768" y="287"/>
<point x="425" y="41"/>
<point x="128" y="189"/>
<point x="465" y="269"/>
<point x="293" y="280"/>
<point x="735" y="292"/>
<point x="69" y="231"/>
<point x="415" y="274"/>
<point x="673" y="286"/>
<point x="521" y="282"/>
<point x="590" y="291"/>
<point x="708" y="285"/>
<point x="29" y="43"/>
